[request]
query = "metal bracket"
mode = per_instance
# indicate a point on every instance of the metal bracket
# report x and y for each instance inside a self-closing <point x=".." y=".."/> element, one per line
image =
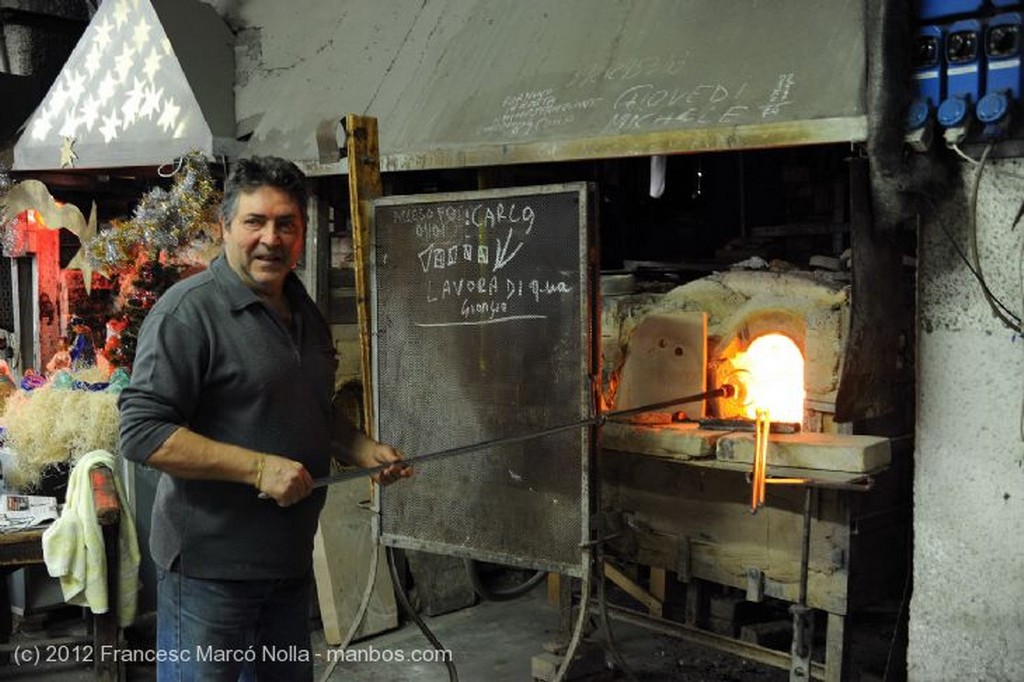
<point x="755" y="584"/>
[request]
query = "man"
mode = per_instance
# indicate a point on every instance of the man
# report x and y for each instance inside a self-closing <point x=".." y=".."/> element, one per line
<point x="231" y="397"/>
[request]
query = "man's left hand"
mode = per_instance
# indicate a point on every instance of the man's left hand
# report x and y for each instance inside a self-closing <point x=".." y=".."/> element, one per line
<point x="385" y="454"/>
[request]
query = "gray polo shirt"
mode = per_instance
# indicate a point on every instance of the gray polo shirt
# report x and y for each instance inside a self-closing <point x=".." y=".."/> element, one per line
<point x="212" y="357"/>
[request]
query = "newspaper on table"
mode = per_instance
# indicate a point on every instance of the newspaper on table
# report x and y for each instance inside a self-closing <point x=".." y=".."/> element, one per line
<point x="23" y="512"/>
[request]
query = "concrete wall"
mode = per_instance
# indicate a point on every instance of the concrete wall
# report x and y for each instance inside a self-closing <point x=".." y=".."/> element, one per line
<point x="967" y="611"/>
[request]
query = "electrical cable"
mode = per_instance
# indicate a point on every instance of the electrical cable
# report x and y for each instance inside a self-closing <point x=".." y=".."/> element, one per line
<point x="403" y="598"/>
<point x="1009" y="319"/>
<point x="904" y="600"/>
<point x="364" y="603"/>
<point x="574" y="641"/>
<point x="963" y="256"/>
<point x="488" y="594"/>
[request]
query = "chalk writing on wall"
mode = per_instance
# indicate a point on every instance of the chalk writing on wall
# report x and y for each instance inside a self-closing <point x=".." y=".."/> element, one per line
<point x="636" y="95"/>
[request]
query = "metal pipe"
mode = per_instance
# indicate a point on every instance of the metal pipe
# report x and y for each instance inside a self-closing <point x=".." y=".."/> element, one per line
<point x="693" y="634"/>
<point x="5" y="61"/>
<point x="725" y="390"/>
<point x="800" y="664"/>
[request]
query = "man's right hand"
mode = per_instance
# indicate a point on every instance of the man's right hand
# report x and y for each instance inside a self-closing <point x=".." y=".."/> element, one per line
<point x="284" y="480"/>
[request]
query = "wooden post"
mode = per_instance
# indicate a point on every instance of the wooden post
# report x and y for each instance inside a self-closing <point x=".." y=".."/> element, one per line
<point x="106" y="628"/>
<point x="364" y="185"/>
<point x="345" y="548"/>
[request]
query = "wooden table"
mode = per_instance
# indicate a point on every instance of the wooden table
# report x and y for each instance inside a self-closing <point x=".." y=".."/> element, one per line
<point x="17" y="549"/>
<point x="26" y="547"/>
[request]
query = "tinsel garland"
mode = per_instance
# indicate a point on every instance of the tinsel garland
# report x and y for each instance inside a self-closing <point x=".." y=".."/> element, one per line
<point x="166" y="222"/>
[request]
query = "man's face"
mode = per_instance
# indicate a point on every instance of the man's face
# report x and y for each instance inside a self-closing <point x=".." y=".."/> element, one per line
<point x="263" y="241"/>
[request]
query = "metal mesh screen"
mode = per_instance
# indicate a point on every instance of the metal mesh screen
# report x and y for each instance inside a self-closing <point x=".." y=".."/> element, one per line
<point x="483" y="331"/>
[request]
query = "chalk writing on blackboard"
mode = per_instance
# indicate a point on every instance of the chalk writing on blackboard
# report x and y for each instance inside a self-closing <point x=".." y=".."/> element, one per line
<point x="481" y="261"/>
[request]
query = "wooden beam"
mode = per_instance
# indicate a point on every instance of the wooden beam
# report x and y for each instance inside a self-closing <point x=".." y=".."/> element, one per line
<point x="364" y="185"/>
<point x="654" y="606"/>
<point x="658" y="587"/>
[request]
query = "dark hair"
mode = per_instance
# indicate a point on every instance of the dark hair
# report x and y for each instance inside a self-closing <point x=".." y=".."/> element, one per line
<point x="248" y="175"/>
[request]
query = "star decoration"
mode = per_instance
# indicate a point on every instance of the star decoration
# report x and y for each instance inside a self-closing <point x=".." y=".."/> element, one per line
<point x="109" y="127"/>
<point x="68" y="153"/>
<point x="107" y="88"/>
<point x="152" y="103"/>
<point x="89" y="112"/>
<point x="71" y="123"/>
<point x="170" y="115"/>
<point x="141" y="34"/>
<point x="81" y="260"/>
<point x="133" y="103"/>
<point x="121" y="13"/>
<point x="152" y="64"/>
<point x="40" y="128"/>
<point x="125" y="61"/>
<point x="76" y="86"/>
<point x="103" y="34"/>
<point x="59" y="95"/>
<point x="92" y="60"/>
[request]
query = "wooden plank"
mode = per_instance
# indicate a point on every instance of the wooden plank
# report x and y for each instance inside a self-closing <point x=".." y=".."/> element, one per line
<point x="816" y="451"/>
<point x="342" y="551"/>
<point x="364" y="185"/>
<point x="658" y="587"/>
<point x="679" y="441"/>
<point x="654" y="607"/>
<point x="836" y="648"/>
<point x="554" y="589"/>
<point x="708" y="506"/>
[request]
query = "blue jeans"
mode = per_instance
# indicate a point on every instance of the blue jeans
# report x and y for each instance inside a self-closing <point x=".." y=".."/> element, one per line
<point x="228" y="630"/>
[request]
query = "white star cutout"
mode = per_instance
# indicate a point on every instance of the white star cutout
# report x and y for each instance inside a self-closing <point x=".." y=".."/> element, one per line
<point x="133" y="102"/>
<point x="152" y="103"/>
<point x="170" y="115"/>
<point x="109" y="127"/>
<point x="107" y="87"/>
<point x="92" y="60"/>
<point x="141" y="34"/>
<point x="89" y="112"/>
<point x="70" y="125"/>
<point x="121" y="12"/>
<point x="76" y="86"/>
<point x="40" y="128"/>
<point x="59" y="95"/>
<point x="124" y="63"/>
<point x="103" y="34"/>
<point x="152" y="63"/>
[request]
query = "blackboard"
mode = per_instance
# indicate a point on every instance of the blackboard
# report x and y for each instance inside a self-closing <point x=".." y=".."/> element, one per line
<point x="482" y="316"/>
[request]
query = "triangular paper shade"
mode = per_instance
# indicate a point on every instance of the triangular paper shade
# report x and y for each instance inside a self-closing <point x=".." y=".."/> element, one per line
<point x="122" y="98"/>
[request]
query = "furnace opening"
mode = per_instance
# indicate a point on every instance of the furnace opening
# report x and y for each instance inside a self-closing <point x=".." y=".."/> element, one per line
<point x="769" y="375"/>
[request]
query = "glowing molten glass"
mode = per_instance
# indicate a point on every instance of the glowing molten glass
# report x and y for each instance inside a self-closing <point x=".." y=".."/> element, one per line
<point x="771" y="372"/>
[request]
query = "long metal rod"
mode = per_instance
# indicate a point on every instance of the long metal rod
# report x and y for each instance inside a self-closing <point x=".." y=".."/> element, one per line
<point x="725" y="390"/>
<point x="689" y="633"/>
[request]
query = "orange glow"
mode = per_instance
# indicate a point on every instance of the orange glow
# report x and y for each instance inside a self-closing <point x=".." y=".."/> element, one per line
<point x="771" y="374"/>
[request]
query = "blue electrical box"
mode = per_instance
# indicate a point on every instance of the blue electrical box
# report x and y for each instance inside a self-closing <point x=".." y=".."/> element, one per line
<point x="1002" y="68"/>
<point x="936" y="9"/>
<point x="929" y="76"/>
<point x="963" y="72"/>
